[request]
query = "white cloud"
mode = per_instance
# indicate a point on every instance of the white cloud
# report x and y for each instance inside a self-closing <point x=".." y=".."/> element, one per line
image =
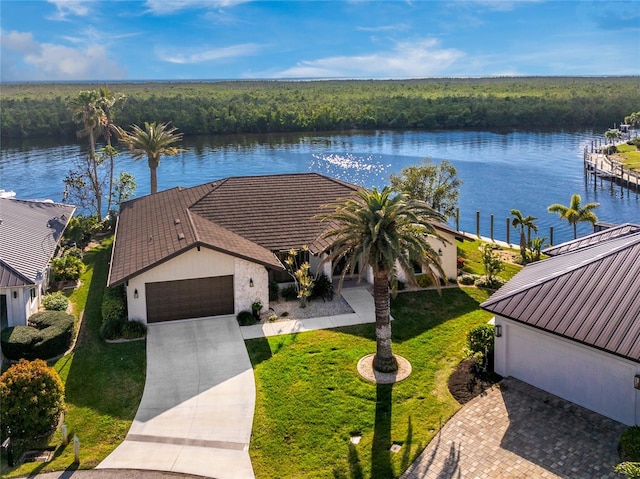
<point x="385" y="28"/>
<point x="69" y="7"/>
<point x="406" y="60"/>
<point x="234" y="51"/>
<point x="24" y="59"/>
<point x="165" y="7"/>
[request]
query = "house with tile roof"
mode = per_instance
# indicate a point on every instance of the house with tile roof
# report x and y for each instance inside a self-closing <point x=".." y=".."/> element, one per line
<point x="30" y="232"/>
<point x="212" y="249"/>
<point x="570" y="324"/>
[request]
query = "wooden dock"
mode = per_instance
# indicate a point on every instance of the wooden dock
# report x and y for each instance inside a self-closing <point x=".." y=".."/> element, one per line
<point x="598" y="165"/>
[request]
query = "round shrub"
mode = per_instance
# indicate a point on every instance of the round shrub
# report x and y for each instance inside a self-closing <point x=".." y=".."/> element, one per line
<point x="112" y="328"/>
<point x="49" y="334"/>
<point x="468" y="279"/>
<point x="289" y="293"/>
<point x="481" y="339"/>
<point x="484" y="282"/>
<point x="113" y="306"/>
<point x="424" y="280"/>
<point x="32" y="397"/>
<point x="133" y="329"/>
<point x="246" y="318"/>
<point x="630" y="444"/>
<point x="55" y="301"/>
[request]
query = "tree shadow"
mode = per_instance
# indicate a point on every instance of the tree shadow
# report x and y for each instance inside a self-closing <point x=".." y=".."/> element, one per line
<point x="381" y="466"/>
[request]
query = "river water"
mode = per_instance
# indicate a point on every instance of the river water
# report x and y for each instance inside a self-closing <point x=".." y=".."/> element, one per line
<point x="501" y="170"/>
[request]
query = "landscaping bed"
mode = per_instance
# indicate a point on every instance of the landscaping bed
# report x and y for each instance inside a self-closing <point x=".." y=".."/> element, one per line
<point x="467" y="382"/>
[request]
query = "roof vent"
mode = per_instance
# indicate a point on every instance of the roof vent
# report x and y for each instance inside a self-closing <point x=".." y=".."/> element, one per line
<point x="176" y="221"/>
<point x="180" y="236"/>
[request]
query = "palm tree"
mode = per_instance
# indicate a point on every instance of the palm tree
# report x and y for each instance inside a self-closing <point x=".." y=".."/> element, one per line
<point x="575" y="213"/>
<point x="153" y="142"/>
<point x="108" y="102"/>
<point x="382" y="232"/>
<point x="522" y="222"/>
<point x="613" y="135"/>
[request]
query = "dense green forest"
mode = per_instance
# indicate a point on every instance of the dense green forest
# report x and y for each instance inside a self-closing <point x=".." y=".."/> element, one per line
<point x="197" y="108"/>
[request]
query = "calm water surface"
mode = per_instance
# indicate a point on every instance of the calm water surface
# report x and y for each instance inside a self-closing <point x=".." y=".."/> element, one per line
<point x="501" y="171"/>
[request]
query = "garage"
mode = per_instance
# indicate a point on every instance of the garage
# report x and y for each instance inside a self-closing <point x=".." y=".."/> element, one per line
<point x="189" y="298"/>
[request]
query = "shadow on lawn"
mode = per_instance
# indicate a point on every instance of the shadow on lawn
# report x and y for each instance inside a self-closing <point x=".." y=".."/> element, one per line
<point x="418" y="311"/>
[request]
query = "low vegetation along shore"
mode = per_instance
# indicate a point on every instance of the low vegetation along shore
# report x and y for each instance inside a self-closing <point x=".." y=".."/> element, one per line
<point x="198" y="108"/>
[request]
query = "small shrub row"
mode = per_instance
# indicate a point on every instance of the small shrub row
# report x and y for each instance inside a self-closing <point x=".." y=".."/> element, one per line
<point x="49" y="334"/>
<point x="494" y="283"/>
<point x="468" y="279"/>
<point x="55" y="301"/>
<point x="246" y="318"/>
<point x="112" y="329"/>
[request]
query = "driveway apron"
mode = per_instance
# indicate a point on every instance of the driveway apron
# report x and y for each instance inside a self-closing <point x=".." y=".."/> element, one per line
<point x="197" y="408"/>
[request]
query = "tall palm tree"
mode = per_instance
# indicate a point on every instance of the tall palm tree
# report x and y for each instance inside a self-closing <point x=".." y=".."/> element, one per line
<point x="613" y="135"/>
<point x="382" y="232"/>
<point x="522" y="222"/>
<point x="108" y="102"/>
<point x="153" y="142"/>
<point x="575" y="213"/>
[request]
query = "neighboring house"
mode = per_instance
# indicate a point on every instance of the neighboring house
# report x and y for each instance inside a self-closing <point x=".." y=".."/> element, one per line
<point x="29" y="235"/>
<point x="570" y="324"/>
<point x="212" y="249"/>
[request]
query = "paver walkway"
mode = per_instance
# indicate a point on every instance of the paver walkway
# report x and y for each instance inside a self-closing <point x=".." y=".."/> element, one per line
<point x="517" y="431"/>
<point x="196" y="412"/>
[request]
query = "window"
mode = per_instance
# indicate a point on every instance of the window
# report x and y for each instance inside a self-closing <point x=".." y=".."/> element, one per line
<point x="32" y="293"/>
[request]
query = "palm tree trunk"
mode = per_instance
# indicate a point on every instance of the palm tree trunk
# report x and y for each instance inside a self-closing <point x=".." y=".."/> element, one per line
<point x="154" y="179"/>
<point x="110" y="197"/>
<point x="575" y="230"/>
<point x="383" y="360"/>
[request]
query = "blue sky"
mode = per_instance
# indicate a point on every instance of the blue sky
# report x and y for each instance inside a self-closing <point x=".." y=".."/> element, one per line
<point x="58" y="40"/>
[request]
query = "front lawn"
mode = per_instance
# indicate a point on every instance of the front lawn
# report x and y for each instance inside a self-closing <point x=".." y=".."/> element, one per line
<point x="472" y="254"/>
<point x="630" y="156"/>
<point x="311" y="399"/>
<point x="103" y="382"/>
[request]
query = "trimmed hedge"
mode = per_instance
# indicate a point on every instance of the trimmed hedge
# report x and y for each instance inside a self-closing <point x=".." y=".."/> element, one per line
<point x="113" y="305"/>
<point x="122" y="329"/>
<point x="246" y="318"/>
<point x="50" y="335"/>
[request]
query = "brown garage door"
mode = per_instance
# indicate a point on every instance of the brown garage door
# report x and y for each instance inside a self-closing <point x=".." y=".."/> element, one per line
<point x="189" y="298"/>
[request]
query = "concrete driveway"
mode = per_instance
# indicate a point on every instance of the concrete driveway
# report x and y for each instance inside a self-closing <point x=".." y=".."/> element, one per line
<point x="196" y="412"/>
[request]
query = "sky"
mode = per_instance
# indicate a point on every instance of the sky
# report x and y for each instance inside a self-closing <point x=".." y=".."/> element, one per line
<point x="76" y="40"/>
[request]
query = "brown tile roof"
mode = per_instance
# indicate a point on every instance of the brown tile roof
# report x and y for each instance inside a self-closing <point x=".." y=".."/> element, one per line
<point x="589" y="295"/>
<point x="29" y="235"/>
<point x="273" y="211"/>
<point x="594" y="238"/>
<point x="155" y="228"/>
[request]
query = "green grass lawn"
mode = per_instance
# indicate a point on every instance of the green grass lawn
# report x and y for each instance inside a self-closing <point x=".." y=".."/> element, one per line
<point x="470" y="251"/>
<point x="103" y="382"/>
<point x="311" y="399"/>
<point x="630" y="156"/>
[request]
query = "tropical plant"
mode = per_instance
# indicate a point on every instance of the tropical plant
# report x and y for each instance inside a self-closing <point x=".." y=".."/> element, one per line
<point x="480" y="343"/>
<point x="383" y="233"/>
<point x="633" y="119"/>
<point x="575" y="213"/>
<point x="67" y="268"/>
<point x="153" y="141"/>
<point x="630" y="469"/>
<point x="437" y="185"/>
<point x="109" y="102"/>
<point x="612" y="135"/>
<point x="491" y="263"/>
<point x="535" y="247"/>
<point x="32" y="397"/>
<point x="299" y="271"/>
<point x="522" y="222"/>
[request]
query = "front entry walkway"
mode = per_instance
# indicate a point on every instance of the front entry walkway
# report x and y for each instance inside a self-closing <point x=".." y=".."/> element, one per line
<point x="516" y="431"/>
<point x="196" y="412"/>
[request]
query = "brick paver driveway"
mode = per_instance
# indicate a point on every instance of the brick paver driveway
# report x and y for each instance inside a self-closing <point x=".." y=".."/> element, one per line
<point x="517" y="431"/>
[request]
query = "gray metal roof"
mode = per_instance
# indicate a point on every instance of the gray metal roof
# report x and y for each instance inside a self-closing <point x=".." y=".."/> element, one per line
<point x="29" y="234"/>
<point x="588" y="295"/>
<point x="594" y="238"/>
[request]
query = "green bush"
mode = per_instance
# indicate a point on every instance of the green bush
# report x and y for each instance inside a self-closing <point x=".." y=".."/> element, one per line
<point x="133" y="329"/>
<point x="484" y="282"/>
<point x="73" y="251"/>
<point x="246" y="318"/>
<point x="424" y="280"/>
<point x="630" y="469"/>
<point x="50" y="334"/>
<point x="67" y="268"/>
<point x="289" y="293"/>
<point x="55" y="301"/>
<point x="322" y="288"/>
<point x="630" y="444"/>
<point x="113" y="305"/>
<point x="480" y="344"/>
<point x="610" y="150"/>
<point x="32" y="397"/>
<point x="468" y="279"/>
<point x="112" y="328"/>
<point x="274" y="291"/>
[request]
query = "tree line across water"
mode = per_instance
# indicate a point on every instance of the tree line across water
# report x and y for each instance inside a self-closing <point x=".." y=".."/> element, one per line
<point x="200" y="108"/>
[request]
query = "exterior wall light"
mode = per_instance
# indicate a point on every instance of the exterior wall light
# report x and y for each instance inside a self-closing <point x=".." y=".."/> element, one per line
<point x="498" y="330"/>
<point x="251" y="282"/>
<point x="636" y="381"/>
<point x="135" y="293"/>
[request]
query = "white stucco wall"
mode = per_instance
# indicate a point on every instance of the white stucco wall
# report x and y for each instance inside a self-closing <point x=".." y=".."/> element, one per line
<point x="22" y="306"/>
<point x="586" y="376"/>
<point x="202" y="264"/>
<point x="448" y="259"/>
